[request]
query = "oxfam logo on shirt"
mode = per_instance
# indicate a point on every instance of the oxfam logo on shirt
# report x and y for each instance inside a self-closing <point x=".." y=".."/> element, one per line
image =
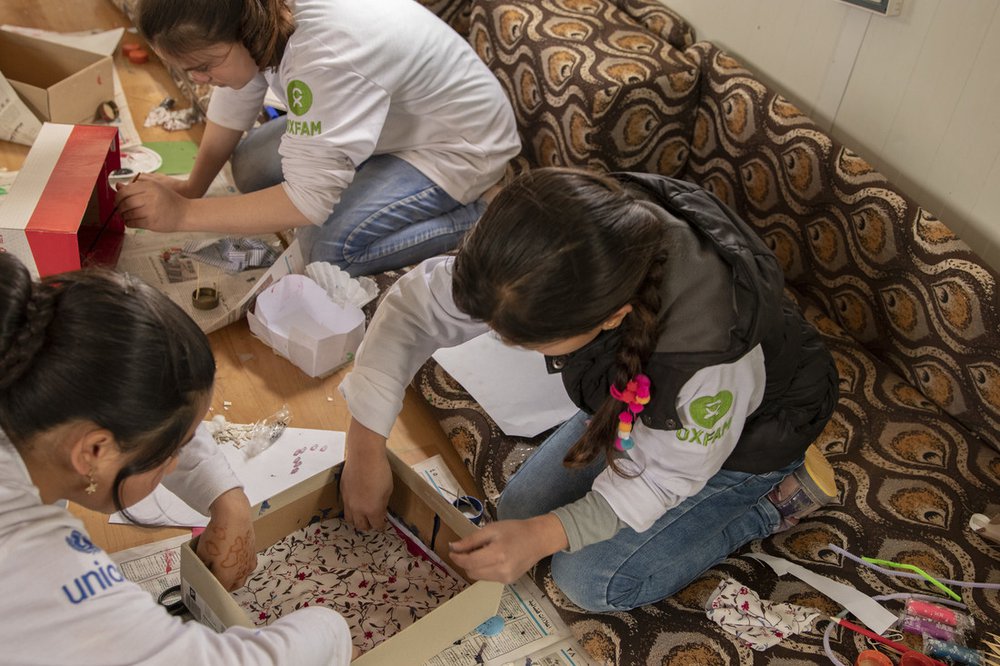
<point x="706" y="411"/>
<point x="300" y="97"/>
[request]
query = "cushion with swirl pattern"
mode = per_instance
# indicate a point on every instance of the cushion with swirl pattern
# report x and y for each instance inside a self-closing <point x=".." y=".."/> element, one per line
<point x="592" y="84"/>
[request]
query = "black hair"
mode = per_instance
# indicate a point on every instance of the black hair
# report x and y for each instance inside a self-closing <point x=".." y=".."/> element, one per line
<point x="99" y="346"/>
<point x="556" y="254"/>
<point x="179" y="27"/>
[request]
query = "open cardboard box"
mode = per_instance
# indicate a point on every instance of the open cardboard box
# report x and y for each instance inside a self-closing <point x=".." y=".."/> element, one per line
<point x="416" y="504"/>
<point x="59" y="83"/>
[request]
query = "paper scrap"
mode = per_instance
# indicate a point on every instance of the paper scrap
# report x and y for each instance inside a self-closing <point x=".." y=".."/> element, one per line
<point x="866" y="609"/>
<point x="434" y="471"/>
<point x="511" y="384"/>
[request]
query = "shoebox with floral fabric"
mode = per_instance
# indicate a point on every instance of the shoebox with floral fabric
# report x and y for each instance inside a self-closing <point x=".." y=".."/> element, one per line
<point x="402" y="597"/>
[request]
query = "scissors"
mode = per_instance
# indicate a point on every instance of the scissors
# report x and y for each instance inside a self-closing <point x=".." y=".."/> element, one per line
<point x="172" y="600"/>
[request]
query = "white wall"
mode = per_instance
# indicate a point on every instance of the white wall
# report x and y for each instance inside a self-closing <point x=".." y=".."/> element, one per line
<point x="918" y="94"/>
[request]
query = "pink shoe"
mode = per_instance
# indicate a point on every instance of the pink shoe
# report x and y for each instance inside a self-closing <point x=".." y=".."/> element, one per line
<point x="811" y="486"/>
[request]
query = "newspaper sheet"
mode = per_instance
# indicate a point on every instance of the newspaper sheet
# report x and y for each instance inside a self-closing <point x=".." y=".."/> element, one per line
<point x="159" y="260"/>
<point x="531" y="629"/>
<point x="17" y="122"/>
<point x="155" y="566"/>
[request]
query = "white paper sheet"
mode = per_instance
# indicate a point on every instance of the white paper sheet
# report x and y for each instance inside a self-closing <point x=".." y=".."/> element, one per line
<point x="263" y="476"/>
<point x="511" y="384"/>
<point x="866" y="609"/>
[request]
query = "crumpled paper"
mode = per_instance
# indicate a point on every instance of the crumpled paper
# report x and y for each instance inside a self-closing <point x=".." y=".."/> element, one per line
<point x="341" y="287"/>
<point x="758" y="622"/>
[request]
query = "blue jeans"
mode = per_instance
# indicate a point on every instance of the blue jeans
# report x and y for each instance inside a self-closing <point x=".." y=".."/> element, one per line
<point x="633" y="569"/>
<point x="390" y="216"/>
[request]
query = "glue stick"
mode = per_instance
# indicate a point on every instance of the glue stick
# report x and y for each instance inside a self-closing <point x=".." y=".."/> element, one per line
<point x="921" y="626"/>
<point x="954" y="653"/>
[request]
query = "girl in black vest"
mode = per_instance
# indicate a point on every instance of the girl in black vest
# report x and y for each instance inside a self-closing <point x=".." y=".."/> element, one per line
<point x="700" y="385"/>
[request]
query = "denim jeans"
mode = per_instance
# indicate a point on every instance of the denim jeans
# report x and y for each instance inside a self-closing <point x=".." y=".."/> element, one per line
<point x="390" y="216"/>
<point x="632" y="569"/>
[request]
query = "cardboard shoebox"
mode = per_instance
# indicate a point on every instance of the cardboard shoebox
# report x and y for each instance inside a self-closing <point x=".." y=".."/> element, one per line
<point x="59" y="214"/>
<point x="417" y="506"/>
<point x="59" y="83"/>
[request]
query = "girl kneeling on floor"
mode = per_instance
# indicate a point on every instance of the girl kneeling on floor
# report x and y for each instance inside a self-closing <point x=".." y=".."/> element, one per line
<point x="700" y="385"/>
<point x="103" y="385"/>
<point x="395" y="127"/>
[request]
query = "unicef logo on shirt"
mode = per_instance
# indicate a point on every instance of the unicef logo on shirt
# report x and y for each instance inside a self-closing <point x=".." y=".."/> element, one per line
<point x="77" y="540"/>
<point x="300" y="97"/>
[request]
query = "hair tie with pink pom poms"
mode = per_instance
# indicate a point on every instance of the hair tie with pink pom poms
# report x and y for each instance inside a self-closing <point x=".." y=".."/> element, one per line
<point x="636" y="397"/>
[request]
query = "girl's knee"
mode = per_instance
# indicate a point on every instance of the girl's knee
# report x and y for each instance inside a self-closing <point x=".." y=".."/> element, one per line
<point x="580" y="585"/>
<point x="512" y="505"/>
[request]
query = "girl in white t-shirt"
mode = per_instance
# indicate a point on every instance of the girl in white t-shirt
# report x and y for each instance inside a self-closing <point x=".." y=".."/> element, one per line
<point x="103" y="384"/>
<point x="394" y="129"/>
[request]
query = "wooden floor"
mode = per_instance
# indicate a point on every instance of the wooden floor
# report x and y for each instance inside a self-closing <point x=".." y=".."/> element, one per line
<point x="251" y="381"/>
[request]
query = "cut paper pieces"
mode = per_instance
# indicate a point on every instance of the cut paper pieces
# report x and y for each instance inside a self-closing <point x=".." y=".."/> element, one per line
<point x="866" y="609"/>
<point x="758" y="622"/>
<point x="295" y="456"/>
<point x="511" y="384"/>
<point x="380" y="581"/>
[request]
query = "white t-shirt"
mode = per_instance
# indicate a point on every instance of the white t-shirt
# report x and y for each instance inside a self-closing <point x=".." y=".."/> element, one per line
<point x="65" y="602"/>
<point x="386" y="76"/>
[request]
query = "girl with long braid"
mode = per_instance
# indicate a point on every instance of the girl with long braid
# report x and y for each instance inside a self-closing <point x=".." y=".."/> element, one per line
<point x="699" y="383"/>
<point x="395" y="128"/>
<point x="103" y="384"/>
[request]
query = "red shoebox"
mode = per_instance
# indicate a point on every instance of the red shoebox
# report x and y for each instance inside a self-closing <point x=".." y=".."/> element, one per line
<point x="60" y="212"/>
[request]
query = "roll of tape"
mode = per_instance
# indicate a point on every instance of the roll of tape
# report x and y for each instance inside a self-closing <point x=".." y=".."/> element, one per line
<point x="470" y="507"/>
<point x="107" y="111"/>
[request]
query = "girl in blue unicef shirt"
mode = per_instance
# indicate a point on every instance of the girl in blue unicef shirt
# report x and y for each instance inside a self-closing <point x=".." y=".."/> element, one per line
<point x="700" y="385"/>
<point x="103" y="384"/>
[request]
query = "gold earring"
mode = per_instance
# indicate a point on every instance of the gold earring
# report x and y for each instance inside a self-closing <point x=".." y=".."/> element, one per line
<point x="92" y="486"/>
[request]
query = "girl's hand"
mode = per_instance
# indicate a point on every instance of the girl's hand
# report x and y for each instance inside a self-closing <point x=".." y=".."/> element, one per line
<point x="227" y="546"/>
<point x="505" y="550"/>
<point x="366" y="480"/>
<point x="154" y="202"/>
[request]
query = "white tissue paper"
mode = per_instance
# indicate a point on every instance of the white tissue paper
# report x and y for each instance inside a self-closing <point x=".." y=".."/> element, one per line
<point x="341" y="287"/>
<point x="297" y="319"/>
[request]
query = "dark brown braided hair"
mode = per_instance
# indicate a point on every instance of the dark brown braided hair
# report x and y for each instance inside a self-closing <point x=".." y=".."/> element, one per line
<point x="181" y="27"/>
<point x="99" y="346"/>
<point x="556" y="254"/>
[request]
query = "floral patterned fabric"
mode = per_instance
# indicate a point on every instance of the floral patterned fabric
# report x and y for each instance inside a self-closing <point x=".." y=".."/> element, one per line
<point x="377" y="580"/>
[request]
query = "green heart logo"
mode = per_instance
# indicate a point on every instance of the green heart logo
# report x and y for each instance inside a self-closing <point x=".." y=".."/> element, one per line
<point x="706" y="411"/>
